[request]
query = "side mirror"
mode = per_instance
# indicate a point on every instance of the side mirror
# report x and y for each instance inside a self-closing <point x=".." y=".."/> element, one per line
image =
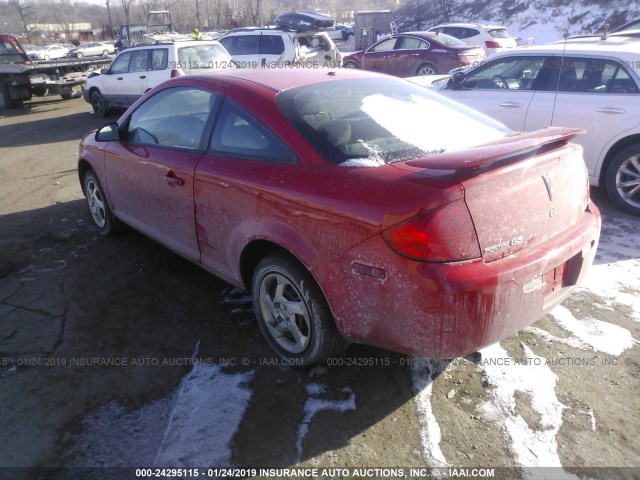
<point x="108" y="133"/>
<point x="104" y="71"/>
<point x="456" y="80"/>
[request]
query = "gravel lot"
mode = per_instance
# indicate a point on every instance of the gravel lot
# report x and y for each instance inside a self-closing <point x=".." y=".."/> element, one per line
<point x="99" y="340"/>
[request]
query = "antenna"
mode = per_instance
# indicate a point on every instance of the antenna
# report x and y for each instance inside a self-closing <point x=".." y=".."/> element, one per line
<point x="606" y="31"/>
<point x="555" y="98"/>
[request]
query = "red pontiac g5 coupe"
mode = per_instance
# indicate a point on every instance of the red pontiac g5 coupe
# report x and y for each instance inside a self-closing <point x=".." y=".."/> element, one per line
<point x="354" y="207"/>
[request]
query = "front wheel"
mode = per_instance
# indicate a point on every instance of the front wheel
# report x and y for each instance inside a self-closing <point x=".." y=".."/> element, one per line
<point x="98" y="205"/>
<point x="105" y="53"/>
<point x="622" y="180"/>
<point x="349" y="64"/>
<point x="426" y="69"/>
<point x="97" y="102"/>
<point x="79" y="54"/>
<point x="293" y="314"/>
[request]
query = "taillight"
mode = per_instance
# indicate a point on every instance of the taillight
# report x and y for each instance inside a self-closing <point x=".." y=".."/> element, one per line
<point x="175" y="73"/>
<point x="443" y="235"/>
<point x="492" y="44"/>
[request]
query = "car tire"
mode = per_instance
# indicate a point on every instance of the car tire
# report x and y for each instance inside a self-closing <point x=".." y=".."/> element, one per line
<point x="39" y="91"/>
<point x="66" y="96"/>
<point x="98" y="205"/>
<point x="349" y="64"/>
<point x="79" y="54"/>
<point x="427" y="69"/>
<point x="622" y="180"/>
<point x="105" y="53"/>
<point x="99" y="106"/>
<point x="293" y="314"/>
<point x="5" y="100"/>
<point x="46" y="57"/>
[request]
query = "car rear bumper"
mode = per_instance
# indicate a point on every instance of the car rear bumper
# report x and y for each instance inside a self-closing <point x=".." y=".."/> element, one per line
<point x="449" y="310"/>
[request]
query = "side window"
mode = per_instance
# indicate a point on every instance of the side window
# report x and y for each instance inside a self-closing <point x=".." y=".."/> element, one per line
<point x="227" y="43"/>
<point x="468" y="32"/>
<point x="271" y="44"/>
<point x="139" y="61"/>
<point x="246" y="45"/>
<point x="239" y="134"/>
<point x="121" y="63"/>
<point x="408" y="43"/>
<point x="159" y="58"/>
<point x="621" y="82"/>
<point x="385" y="45"/>
<point x="175" y="117"/>
<point x="511" y="73"/>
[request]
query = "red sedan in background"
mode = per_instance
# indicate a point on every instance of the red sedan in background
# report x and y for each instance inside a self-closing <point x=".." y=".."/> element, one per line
<point x="416" y="53"/>
<point x="349" y="213"/>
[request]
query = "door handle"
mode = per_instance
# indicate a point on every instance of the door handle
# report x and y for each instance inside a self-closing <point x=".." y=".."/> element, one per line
<point x="386" y="56"/>
<point x="173" y="179"/>
<point x="511" y="105"/>
<point x="610" y="110"/>
<point x="142" y="76"/>
<point x="415" y="54"/>
<point x="120" y="78"/>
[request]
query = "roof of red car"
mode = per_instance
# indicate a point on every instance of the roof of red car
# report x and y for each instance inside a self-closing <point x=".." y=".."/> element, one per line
<point x="279" y="79"/>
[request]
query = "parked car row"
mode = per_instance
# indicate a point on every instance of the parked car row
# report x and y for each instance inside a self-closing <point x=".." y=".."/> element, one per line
<point x="56" y="51"/>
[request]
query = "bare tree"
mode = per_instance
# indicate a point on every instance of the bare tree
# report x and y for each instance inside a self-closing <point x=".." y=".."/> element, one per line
<point x="446" y="8"/>
<point x="126" y="7"/>
<point x="65" y="15"/>
<point x="147" y="6"/>
<point x="254" y="11"/>
<point x="107" y="3"/>
<point x="25" y="11"/>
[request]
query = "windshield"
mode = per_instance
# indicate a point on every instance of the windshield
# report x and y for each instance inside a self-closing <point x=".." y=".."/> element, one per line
<point x="374" y="121"/>
<point x="211" y="56"/>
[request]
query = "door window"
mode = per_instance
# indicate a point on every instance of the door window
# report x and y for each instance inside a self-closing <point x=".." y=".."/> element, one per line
<point x="121" y="63"/>
<point x="159" y="58"/>
<point x="139" y="61"/>
<point x="384" y="45"/>
<point x="175" y="117"/>
<point x="513" y="73"/>
<point x="237" y="133"/>
<point x="410" y="43"/>
<point x="246" y="45"/>
<point x="271" y="45"/>
<point x="590" y="75"/>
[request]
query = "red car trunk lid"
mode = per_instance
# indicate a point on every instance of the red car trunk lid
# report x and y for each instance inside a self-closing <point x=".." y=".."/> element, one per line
<point x="519" y="190"/>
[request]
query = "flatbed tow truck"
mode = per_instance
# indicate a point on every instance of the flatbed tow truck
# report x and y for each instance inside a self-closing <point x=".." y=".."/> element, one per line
<point x="21" y="78"/>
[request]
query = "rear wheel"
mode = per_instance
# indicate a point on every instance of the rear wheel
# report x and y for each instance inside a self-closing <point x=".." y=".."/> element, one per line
<point x="5" y="100"/>
<point x="105" y="53"/>
<point x="79" y="54"/>
<point x="293" y="314"/>
<point x="98" y="104"/>
<point x="66" y="96"/>
<point x="426" y="69"/>
<point x="98" y="205"/>
<point x="623" y="180"/>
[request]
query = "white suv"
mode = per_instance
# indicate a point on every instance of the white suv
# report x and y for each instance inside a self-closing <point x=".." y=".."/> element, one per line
<point x="593" y="85"/>
<point x="493" y="38"/>
<point x="137" y="70"/>
<point x="276" y="48"/>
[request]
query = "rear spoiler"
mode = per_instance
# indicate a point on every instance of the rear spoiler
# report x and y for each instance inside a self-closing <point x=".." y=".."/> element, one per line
<point x="489" y="153"/>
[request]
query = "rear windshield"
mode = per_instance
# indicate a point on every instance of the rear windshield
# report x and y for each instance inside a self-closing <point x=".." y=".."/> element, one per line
<point x="499" y="33"/>
<point x="204" y="56"/>
<point x="373" y="121"/>
<point x="449" y="40"/>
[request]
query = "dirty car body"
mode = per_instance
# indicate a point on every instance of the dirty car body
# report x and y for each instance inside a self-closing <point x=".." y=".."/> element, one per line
<point x="348" y="219"/>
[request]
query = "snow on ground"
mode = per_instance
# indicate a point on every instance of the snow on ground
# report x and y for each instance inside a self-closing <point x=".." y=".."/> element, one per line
<point x="530" y="447"/>
<point x="317" y="401"/>
<point x="206" y="411"/>
<point x="423" y="371"/>
<point x="588" y="333"/>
